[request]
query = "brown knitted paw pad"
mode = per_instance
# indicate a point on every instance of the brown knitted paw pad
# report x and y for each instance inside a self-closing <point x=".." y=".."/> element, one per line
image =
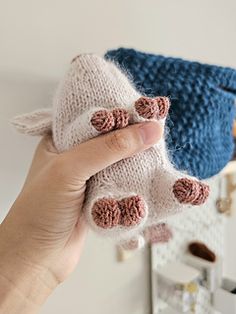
<point x="121" y="118"/>
<point x="160" y="233"/>
<point x="106" y="213"/>
<point x="199" y="249"/>
<point x="103" y="121"/>
<point x="132" y="210"/>
<point x="190" y="191"/>
<point x="204" y="192"/>
<point x="147" y="107"/>
<point x="152" y="108"/>
<point x="109" y="212"/>
<point x="163" y="105"/>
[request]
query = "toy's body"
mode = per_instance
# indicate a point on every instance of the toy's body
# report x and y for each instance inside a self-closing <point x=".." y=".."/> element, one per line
<point x="137" y="192"/>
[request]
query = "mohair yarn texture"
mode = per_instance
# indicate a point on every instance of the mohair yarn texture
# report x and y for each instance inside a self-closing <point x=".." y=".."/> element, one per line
<point x="199" y="137"/>
<point x="129" y="200"/>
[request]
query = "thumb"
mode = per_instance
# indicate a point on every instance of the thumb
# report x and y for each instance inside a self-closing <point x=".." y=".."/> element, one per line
<point x="98" y="153"/>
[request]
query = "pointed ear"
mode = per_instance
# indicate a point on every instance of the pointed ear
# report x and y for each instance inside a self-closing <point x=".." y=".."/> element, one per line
<point x="38" y="122"/>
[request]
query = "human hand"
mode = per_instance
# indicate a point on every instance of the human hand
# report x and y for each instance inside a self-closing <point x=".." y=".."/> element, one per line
<point x="42" y="236"/>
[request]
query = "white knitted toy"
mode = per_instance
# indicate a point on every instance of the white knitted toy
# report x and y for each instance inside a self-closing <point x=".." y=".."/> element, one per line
<point x="131" y="198"/>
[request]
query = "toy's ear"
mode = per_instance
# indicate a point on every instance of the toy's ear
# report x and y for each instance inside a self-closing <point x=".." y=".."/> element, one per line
<point x="38" y="122"/>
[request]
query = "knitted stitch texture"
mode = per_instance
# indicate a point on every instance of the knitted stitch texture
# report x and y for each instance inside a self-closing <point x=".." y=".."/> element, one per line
<point x="202" y="96"/>
<point x="135" y="193"/>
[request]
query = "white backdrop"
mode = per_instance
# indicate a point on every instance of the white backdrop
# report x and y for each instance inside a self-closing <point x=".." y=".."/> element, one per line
<point x="38" y="39"/>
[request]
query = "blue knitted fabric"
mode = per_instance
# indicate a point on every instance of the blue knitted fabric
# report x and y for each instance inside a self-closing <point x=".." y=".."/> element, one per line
<point x="199" y="134"/>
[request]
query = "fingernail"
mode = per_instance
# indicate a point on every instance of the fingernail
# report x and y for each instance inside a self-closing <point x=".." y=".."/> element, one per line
<point x="151" y="132"/>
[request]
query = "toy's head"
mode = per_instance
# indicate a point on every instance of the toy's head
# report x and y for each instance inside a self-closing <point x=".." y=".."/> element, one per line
<point x="90" y="83"/>
<point x="94" y="97"/>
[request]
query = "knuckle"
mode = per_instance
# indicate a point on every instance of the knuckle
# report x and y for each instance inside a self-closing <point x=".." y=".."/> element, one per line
<point x="117" y="141"/>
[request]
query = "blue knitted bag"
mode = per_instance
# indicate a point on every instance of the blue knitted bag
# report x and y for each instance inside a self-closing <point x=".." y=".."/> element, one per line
<point x="199" y="135"/>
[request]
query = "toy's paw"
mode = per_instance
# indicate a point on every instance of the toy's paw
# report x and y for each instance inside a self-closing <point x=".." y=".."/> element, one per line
<point x="109" y="213"/>
<point x="121" y="118"/>
<point x="132" y="210"/>
<point x="152" y="108"/>
<point x="106" y="213"/>
<point x="103" y="121"/>
<point x="160" y="233"/>
<point x="189" y="191"/>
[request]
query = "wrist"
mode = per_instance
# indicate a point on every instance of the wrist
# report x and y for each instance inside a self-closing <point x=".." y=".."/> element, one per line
<point x="24" y="285"/>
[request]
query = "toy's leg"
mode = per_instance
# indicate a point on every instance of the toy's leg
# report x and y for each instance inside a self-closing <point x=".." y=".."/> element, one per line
<point x="172" y="192"/>
<point x="146" y="108"/>
<point x="127" y="212"/>
<point x="93" y="123"/>
<point x="133" y="244"/>
<point x="160" y="233"/>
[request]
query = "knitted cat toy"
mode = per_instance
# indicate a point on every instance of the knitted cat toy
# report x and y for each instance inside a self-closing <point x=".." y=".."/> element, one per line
<point x="130" y="199"/>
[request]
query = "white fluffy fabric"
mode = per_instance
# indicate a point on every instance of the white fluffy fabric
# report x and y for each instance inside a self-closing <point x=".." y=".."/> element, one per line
<point x="91" y="84"/>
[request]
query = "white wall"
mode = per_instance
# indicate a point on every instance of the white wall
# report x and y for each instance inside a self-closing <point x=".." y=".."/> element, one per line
<point x="38" y="39"/>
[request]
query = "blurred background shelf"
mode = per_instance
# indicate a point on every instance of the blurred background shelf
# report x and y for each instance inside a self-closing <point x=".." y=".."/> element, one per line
<point x="230" y="168"/>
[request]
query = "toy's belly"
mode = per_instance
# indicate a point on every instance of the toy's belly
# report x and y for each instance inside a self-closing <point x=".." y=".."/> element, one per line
<point x="137" y="172"/>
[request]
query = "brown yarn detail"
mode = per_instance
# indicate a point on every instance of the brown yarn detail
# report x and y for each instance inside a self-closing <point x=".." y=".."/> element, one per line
<point x="147" y="107"/>
<point x="132" y="210"/>
<point x="190" y="191"/>
<point x="203" y="194"/>
<point x="106" y="213"/>
<point x="186" y="190"/>
<point x="199" y="249"/>
<point x="103" y="121"/>
<point x="160" y="233"/>
<point x="164" y="106"/>
<point x="121" y="118"/>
